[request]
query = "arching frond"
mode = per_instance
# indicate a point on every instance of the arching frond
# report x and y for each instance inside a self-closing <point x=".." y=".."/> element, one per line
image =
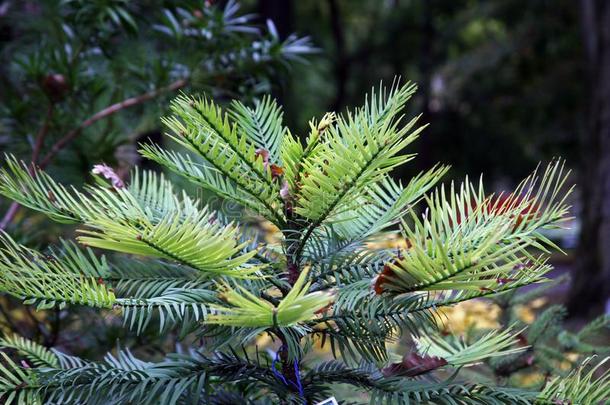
<point x="175" y="306"/>
<point x="195" y="239"/>
<point x="471" y="241"/>
<point x="383" y="204"/>
<point x="459" y="353"/>
<point x="205" y="176"/>
<point x="407" y="393"/>
<point x="358" y="150"/>
<point x="149" y="195"/>
<point x="40" y="192"/>
<point x="39" y="355"/>
<point x="177" y="379"/>
<point x="155" y="195"/>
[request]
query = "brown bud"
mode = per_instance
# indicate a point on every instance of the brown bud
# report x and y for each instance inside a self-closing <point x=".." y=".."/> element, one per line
<point x="276" y="171"/>
<point x="55" y="86"/>
<point x="325" y="308"/>
<point x="413" y="364"/>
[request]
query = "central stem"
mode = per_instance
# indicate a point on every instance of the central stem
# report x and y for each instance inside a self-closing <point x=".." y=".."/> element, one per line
<point x="289" y="371"/>
<point x="293" y="239"/>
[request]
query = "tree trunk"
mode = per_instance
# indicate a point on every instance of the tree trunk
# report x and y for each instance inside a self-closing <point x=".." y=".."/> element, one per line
<point x="591" y="276"/>
<point x="281" y="12"/>
<point x="341" y="61"/>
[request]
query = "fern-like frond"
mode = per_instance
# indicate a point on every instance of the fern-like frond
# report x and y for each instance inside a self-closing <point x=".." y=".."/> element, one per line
<point x="358" y="150"/>
<point x="40" y="192"/>
<point x="207" y="177"/>
<point x="156" y="197"/>
<point x="125" y="379"/>
<point x="407" y="393"/>
<point x="174" y="306"/>
<point x="37" y="354"/>
<point x="321" y="378"/>
<point x="195" y="239"/>
<point x="383" y="204"/>
<point x="371" y="320"/>
<point x="353" y="340"/>
<point x="459" y="353"/>
<point x="343" y="270"/>
<point x="580" y="387"/>
<point x="50" y="280"/>
<point x="149" y="195"/>
<point x="185" y="378"/>
<point x="202" y="127"/>
<point x="262" y="125"/>
<point x="146" y="218"/>
<point x="471" y="241"/>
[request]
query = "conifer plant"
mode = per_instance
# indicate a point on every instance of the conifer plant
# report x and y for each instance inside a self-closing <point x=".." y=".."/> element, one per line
<point x="323" y="279"/>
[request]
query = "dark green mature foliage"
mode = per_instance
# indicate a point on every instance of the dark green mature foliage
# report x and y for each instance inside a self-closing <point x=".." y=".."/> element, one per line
<point x="321" y="282"/>
<point x="73" y="71"/>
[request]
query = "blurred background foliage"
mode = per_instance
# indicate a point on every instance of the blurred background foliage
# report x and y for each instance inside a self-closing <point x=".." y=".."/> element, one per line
<point x="500" y="81"/>
<point x="504" y="84"/>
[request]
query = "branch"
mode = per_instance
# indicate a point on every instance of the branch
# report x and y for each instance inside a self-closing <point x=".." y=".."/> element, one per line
<point x="106" y="112"/>
<point x="70" y="136"/>
<point x="42" y="133"/>
<point x="10" y="214"/>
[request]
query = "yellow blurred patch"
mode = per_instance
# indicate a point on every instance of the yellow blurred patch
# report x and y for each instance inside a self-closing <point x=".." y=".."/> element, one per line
<point x="272" y="233"/>
<point x="528" y="379"/>
<point x="473" y="314"/>
<point x="527" y="313"/>
<point x="389" y="241"/>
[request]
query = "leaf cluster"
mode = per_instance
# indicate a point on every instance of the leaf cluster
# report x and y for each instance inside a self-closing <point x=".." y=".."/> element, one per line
<point x="322" y="281"/>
